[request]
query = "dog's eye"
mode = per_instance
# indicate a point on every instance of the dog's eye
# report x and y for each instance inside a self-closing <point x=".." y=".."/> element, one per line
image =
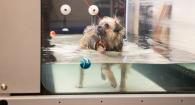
<point x="106" y="25"/>
<point x="117" y="28"/>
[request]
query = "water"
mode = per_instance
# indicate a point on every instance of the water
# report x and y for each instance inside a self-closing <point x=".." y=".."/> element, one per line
<point x="158" y="49"/>
<point x="67" y="51"/>
<point x="147" y="71"/>
<point x="141" y="78"/>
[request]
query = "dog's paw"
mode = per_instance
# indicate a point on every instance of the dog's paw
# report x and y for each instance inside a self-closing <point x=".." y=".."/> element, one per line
<point x="122" y="88"/>
<point x="114" y="85"/>
<point x="79" y="86"/>
<point x="101" y="50"/>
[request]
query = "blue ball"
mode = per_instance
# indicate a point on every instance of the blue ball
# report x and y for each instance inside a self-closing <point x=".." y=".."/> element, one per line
<point x="85" y="63"/>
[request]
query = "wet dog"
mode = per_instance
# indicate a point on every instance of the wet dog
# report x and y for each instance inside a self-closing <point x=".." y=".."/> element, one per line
<point x="108" y="35"/>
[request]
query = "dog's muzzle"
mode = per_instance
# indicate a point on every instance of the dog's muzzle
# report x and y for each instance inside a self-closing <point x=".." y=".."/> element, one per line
<point x="101" y="31"/>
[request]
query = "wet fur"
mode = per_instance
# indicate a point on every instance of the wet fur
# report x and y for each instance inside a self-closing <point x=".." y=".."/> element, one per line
<point x="114" y="34"/>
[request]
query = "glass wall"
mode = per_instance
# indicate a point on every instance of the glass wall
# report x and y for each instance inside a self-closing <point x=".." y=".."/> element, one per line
<point x="118" y="46"/>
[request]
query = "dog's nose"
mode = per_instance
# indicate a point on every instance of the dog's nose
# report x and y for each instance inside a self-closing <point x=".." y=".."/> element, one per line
<point x="99" y="28"/>
<point x="100" y="31"/>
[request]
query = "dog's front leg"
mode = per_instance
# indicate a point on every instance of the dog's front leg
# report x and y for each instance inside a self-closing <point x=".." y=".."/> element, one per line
<point x="81" y="76"/>
<point x="106" y="70"/>
<point x="123" y="76"/>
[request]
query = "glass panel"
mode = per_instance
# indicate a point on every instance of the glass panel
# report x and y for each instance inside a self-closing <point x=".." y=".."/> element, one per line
<point x="139" y="78"/>
<point x="128" y="46"/>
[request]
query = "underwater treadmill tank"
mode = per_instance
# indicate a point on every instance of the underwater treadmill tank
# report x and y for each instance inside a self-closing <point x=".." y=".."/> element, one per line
<point x="157" y="52"/>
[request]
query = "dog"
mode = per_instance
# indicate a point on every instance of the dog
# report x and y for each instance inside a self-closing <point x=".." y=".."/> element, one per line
<point x="108" y="35"/>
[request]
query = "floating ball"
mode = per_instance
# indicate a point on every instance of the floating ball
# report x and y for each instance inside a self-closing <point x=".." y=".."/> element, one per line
<point x="52" y="34"/>
<point x="93" y="10"/>
<point x="65" y="9"/>
<point x="85" y="63"/>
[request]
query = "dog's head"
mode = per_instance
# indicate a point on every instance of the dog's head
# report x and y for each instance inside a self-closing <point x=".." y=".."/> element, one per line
<point x="110" y="30"/>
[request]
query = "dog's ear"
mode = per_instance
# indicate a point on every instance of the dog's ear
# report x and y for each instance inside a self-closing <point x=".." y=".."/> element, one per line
<point x="117" y="20"/>
<point x="118" y="27"/>
<point x="98" y="20"/>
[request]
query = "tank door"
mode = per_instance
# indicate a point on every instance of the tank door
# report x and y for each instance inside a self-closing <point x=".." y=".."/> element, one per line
<point x="20" y="46"/>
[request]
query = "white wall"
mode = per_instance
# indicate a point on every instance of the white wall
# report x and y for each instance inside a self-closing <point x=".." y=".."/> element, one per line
<point x="182" y="34"/>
